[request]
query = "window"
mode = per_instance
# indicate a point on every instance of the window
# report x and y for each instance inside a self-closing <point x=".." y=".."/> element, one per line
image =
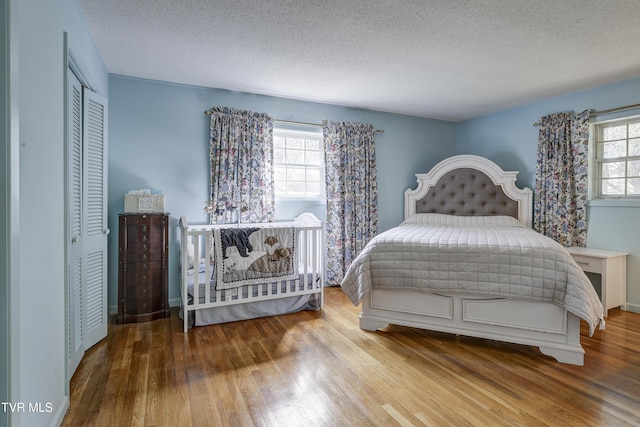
<point x="298" y="163"/>
<point x="617" y="158"/>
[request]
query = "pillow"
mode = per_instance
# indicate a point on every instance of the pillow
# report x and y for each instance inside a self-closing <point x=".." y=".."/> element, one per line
<point x="443" y="220"/>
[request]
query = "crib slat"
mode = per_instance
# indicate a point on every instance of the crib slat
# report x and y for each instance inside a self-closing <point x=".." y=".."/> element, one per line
<point x="196" y="270"/>
<point x="307" y="245"/>
<point x="314" y="254"/>
<point x="207" y="238"/>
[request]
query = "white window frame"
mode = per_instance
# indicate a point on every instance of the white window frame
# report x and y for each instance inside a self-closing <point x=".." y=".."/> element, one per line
<point x="595" y="194"/>
<point x="300" y="131"/>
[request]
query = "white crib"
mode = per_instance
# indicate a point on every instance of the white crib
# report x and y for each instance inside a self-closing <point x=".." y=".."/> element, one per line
<point x="199" y="294"/>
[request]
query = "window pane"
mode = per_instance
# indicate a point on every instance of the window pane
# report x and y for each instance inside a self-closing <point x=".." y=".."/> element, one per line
<point x="280" y="187"/>
<point x="279" y="173"/>
<point x="634" y="147"/>
<point x="314" y="189"/>
<point x="313" y="144"/>
<point x="295" y="174"/>
<point x="314" y="174"/>
<point x="295" y="143"/>
<point x="612" y="170"/>
<point x="298" y="160"/>
<point x="614" y="132"/>
<point x="295" y="189"/>
<point x="612" y="150"/>
<point x="633" y="168"/>
<point x="295" y="156"/>
<point x="613" y="187"/>
<point x="279" y="155"/>
<point x="617" y="145"/>
<point x="633" y="187"/>
<point x="314" y="158"/>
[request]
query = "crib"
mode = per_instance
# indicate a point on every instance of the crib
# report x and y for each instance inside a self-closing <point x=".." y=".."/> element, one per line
<point x="204" y="301"/>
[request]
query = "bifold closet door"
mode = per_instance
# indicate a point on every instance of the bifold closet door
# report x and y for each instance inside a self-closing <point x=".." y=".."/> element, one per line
<point x="87" y="220"/>
<point x="75" y="275"/>
<point x="94" y="217"/>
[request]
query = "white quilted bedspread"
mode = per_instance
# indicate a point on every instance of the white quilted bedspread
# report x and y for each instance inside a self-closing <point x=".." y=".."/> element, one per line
<point x="490" y="256"/>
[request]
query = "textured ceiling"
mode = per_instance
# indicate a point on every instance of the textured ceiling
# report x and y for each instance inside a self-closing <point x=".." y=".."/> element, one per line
<point x="443" y="59"/>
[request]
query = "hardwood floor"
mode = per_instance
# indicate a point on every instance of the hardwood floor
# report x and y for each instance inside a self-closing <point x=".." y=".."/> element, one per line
<point x="319" y="368"/>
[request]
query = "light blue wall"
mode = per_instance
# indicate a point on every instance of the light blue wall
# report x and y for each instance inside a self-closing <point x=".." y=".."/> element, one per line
<point x="159" y="138"/>
<point x="37" y="319"/>
<point x="510" y="139"/>
<point x="5" y="182"/>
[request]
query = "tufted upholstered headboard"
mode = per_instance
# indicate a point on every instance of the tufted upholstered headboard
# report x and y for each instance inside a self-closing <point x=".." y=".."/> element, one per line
<point x="471" y="186"/>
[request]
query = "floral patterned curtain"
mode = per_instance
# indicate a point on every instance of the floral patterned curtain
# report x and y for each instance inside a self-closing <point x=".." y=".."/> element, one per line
<point x="352" y="193"/>
<point x="241" y="153"/>
<point x="560" y="201"/>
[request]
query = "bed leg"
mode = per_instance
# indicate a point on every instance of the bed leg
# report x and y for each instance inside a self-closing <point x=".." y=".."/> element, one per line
<point x="571" y="356"/>
<point x="372" y="325"/>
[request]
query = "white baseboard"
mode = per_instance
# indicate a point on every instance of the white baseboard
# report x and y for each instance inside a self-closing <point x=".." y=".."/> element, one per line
<point x="61" y="411"/>
<point x="633" y="307"/>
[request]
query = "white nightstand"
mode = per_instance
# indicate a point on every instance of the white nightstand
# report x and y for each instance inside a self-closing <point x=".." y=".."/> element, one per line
<point x="612" y="266"/>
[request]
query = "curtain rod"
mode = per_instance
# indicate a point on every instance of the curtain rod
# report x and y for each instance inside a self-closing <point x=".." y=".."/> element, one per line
<point x="312" y="124"/>
<point x="208" y="112"/>
<point x="609" y="111"/>
<point x="615" y="110"/>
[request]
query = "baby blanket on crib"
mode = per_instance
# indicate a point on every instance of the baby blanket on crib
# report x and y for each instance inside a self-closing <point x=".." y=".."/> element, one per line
<point x="246" y="256"/>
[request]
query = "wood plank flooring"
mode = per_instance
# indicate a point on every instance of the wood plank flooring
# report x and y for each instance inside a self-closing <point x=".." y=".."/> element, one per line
<point x="319" y="369"/>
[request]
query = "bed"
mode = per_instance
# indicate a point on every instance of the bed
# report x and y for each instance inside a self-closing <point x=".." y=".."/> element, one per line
<point x="237" y="272"/>
<point x="466" y="261"/>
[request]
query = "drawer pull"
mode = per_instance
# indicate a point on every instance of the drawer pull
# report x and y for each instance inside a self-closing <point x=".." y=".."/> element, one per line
<point x="144" y="238"/>
<point x="144" y="277"/>
<point x="144" y="257"/>
<point x="144" y="247"/>
<point x="144" y="228"/>
<point x="144" y="292"/>
<point x="144" y="306"/>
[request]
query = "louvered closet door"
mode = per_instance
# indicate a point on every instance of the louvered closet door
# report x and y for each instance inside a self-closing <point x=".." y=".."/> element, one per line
<point x="75" y="346"/>
<point x="94" y="218"/>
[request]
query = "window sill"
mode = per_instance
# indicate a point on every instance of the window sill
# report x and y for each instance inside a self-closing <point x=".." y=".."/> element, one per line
<point x="614" y="203"/>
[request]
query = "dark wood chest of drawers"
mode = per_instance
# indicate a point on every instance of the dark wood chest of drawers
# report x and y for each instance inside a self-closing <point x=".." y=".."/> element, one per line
<point x="143" y="254"/>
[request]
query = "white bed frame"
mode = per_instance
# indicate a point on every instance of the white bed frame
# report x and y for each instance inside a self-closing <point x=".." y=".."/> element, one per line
<point x="310" y="255"/>
<point x="547" y="326"/>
